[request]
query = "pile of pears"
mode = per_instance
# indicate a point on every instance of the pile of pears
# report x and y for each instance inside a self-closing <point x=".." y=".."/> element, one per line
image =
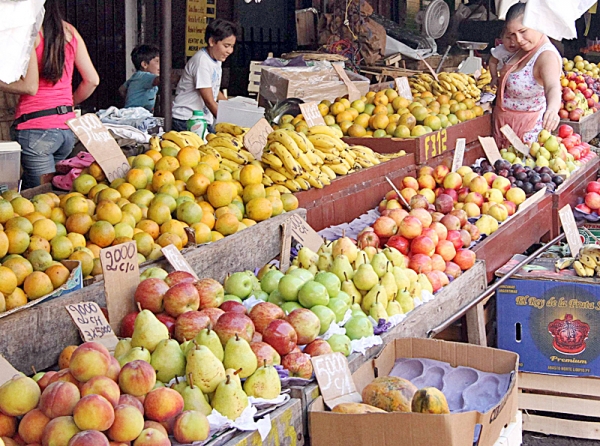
<point x="214" y="371"/>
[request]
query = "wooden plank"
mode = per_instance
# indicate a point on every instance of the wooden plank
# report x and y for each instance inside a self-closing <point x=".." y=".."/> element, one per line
<point x="476" y="326"/>
<point x="574" y="385"/>
<point x="559" y="404"/>
<point x="286" y="429"/>
<point x="36" y="337"/>
<point x="558" y="426"/>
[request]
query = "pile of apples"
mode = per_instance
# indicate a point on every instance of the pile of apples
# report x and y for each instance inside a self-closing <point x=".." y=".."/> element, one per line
<point x="591" y="201"/>
<point x="576" y="148"/>
<point x="578" y="97"/>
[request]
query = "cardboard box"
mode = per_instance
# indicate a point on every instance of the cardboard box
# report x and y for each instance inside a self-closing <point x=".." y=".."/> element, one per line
<point x="551" y="319"/>
<point x="306" y="83"/>
<point x="244" y="112"/>
<point x="414" y="429"/>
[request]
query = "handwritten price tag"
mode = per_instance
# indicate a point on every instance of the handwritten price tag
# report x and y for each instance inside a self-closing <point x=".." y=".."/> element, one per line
<point x="403" y="88"/>
<point x="255" y="139"/>
<point x="334" y="379"/>
<point x="311" y="113"/>
<point x="514" y="139"/>
<point x="103" y="147"/>
<point x="490" y="148"/>
<point x="567" y="220"/>
<point x="459" y="154"/>
<point x="353" y="93"/>
<point x="7" y="371"/>
<point x="176" y="259"/>
<point x="304" y="234"/>
<point x="92" y="324"/>
<point x="121" y="278"/>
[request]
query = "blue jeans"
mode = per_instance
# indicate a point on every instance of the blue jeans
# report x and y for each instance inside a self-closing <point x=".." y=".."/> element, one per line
<point x="41" y="150"/>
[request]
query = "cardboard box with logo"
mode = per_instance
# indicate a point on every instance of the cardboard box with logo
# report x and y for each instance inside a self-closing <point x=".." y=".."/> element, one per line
<point x="414" y="429"/>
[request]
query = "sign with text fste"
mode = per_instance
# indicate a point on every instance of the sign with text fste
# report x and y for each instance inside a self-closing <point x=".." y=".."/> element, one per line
<point x="176" y="259"/>
<point x="335" y="380"/>
<point x="353" y="93"/>
<point x="311" y="113"/>
<point x="255" y="139"/>
<point x="567" y="220"/>
<point x="305" y="234"/>
<point x="459" y="154"/>
<point x="121" y="278"/>
<point x="103" y="147"/>
<point x="198" y="14"/>
<point x="403" y="88"/>
<point x="92" y="324"/>
<point x="490" y="148"/>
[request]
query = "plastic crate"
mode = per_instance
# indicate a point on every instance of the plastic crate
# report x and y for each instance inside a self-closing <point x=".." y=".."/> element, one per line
<point x="10" y="164"/>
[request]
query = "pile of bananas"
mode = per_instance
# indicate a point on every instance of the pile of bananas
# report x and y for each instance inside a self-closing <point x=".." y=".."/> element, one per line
<point x="483" y="81"/>
<point x="587" y="263"/>
<point x="447" y="84"/>
<point x="300" y="161"/>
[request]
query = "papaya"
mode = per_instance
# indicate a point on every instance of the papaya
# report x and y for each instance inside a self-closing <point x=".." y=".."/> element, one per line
<point x="389" y="393"/>
<point x="356" y="408"/>
<point x="429" y="400"/>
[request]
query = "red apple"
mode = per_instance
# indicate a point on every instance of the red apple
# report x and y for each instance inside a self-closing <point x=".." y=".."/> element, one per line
<point x="461" y="215"/>
<point x="465" y="259"/>
<point x="422" y="245"/>
<point x="367" y="238"/>
<point x="568" y="94"/>
<point x="213" y="314"/>
<point x="181" y="298"/>
<point x="593" y="186"/>
<point x="210" y="292"/>
<point x="167" y="320"/>
<point x="420" y="263"/>
<point x="463" y="192"/>
<point x="452" y="270"/>
<point x="423" y="215"/>
<point x="397" y="215"/>
<point x="455" y="238"/>
<point x="438" y="262"/>
<point x="592" y="200"/>
<point x="433" y="278"/>
<point x="466" y="238"/>
<point x="385" y="227"/>
<point x="440" y="172"/>
<point x="410" y="228"/>
<point x="127" y="325"/>
<point x="440" y="229"/>
<point x="230" y="324"/>
<point x="446" y="249"/>
<point x="263" y="314"/>
<point x="149" y="294"/>
<point x="264" y="351"/>
<point x="419" y="202"/>
<point x="257" y="337"/>
<point x="176" y="277"/>
<point x="281" y="336"/>
<point x="510" y="207"/>
<point x="402" y="244"/>
<point x="575" y="115"/>
<point x="429" y="232"/>
<point x="410" y="182"/>
<point x="232" y="305"/>
<point x="452" y="222"/>
<point x="563" y="114"/>
<point x="453" y="194"/>
<point x="583" y="208"/>
<point x="189" y="324"/>
<point x="306" y="323"/>
<point x="298" y="365"/>
<point x="318" y="347"/>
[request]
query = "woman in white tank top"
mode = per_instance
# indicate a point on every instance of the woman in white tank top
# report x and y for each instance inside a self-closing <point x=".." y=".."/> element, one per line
<point x="529" y="95"/>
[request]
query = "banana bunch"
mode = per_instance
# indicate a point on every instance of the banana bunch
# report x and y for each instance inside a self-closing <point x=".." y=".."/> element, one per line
<point x="178" y="140"/>
<point x="484" y="79"/>
<point x="588" y="262"/>
<point x="232" y="129"/>
<point x="228" y="149"/>
<point x="447" y="84"/>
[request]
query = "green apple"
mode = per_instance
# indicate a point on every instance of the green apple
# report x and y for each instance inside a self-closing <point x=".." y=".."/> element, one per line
<point x="270" y="280"/>
<point x="345" y="297"/>
<point x="239" y="284"/>
<point x="339" y="307"/>
<point x="358" y="327"/>
<point x="288" y="307"/>
<point x="341" y="343"/>
<point x="325" y="315"/>
<point x="154" y="272"/>
<point x="255" y="282"/>
<point x="231" y="297"/>
<point x="276" y="298"/>
<point x="289" y="287"/>
<point x="330" y="281"/>
<point x="302" y="273"/>
<point x="312" y="293"/>
<point x="260" y="295"/>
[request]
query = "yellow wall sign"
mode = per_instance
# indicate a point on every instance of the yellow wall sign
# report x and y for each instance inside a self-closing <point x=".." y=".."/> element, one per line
<point x="198" y="14"/>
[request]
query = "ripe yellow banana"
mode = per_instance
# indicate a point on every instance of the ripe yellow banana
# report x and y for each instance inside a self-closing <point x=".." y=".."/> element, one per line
<point x="339" y="169"/>
<point x="305" y="163"/>
<point x="286" y="157"/>
<point x="211" y="151"/>
<point x="282" y="189"/>
<point x="232" y="129"/>
<point x="275" y="176"/>
<point x="304" y="184"/>
<point x="271" y="159"/>
<point x="155" y="143"/>
<point x="313" y="158"/>
<point x="323" y="178"/>
<point x="315" y="182"/>
<point x="177" y="138"/>
<point x="167" y="143"/>
<point x="233" y="144"/>
<point x="266" y="181"/>
<point x="300" y="142"/>
<point x="284" y="138"/>
<point x="193" y="138"/>
<point x="230" y="165"/>
<point x="326" y="143"/>
<point x="325" y="130"/>
<point x="327" y="171"/>
<point x="283" y="171"/>
<point x="231" y="155"/>
<point x="293" y="185"/>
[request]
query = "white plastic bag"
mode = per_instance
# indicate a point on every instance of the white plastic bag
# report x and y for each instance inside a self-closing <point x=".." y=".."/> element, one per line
<point x="20" y="22"/>
<point x="555" y="18"/>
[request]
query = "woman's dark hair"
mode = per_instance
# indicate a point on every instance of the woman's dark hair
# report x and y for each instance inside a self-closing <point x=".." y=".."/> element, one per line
<point x="220" y="29"/>
<point x="143" y="53"/>
<point x="514" y="12"/>
<point x="53" y="60"/>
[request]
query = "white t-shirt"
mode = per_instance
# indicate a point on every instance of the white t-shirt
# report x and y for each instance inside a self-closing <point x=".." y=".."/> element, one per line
<point x="201" y="71"/>
<point x="502" y="54"/>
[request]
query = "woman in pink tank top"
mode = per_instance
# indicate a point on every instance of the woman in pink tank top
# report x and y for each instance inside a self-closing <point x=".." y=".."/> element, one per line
<point x="40" y="120"/>
<point x="529" y="88"/>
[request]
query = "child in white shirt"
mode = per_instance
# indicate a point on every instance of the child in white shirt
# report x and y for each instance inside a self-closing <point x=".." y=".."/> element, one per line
<point x="500" y="56"/>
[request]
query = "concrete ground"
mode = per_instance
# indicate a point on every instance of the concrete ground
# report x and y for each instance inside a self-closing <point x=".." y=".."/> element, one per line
<point x="535" y="439"/>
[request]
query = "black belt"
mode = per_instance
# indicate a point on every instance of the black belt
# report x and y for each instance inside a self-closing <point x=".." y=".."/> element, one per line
<point x="60" y="110"/>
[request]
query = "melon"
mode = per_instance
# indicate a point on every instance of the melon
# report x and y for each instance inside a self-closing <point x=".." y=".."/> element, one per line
<point x="389" y="393"/>
<point x="429" y="400"/>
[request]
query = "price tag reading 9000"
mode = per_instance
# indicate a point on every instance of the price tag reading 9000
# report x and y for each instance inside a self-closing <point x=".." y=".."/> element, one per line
<point x="90" y="320"/>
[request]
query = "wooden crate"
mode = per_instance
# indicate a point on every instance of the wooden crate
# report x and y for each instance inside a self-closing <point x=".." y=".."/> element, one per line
<point x="350" y="196"/>
<point x="306" y="27"/>
<point x="572" y="190"/>
<point x="564" y="405"/>
<point x="35" y="337"/>
<point x="434" y="144"/>
<point x="588" y="127"/>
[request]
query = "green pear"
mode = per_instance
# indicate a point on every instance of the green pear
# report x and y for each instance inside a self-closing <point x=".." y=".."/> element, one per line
<point x="314" y="269"/>
<point x="339" y="308"/>
<point x="395" y="256"/>
<point x="158" y="385"/>
<point x="377" y="310"/>
<point x="356" y="310"/>
<point x="325" y="261"/>
<point x="229" y="399"/>
<point x="263" y="383"/>
<point x="381" y="264"/>
<point x="412" y="275"/>
<point x="264" y="270"/>
<point x="136" y="353"/>
<point x="346" y="247"/>
<point x="325" y="248"/>
<point x="389" y="283"/>
<point x="168" y="360"/>
<point x="340" y="343"/>
<point x="235" y="375"/>
<point x="345" y="297"/>
<point x="194" y="399"/>
<point x="342" y="268"/>
<point x="349" y="288"/>
<point x="359" y="326"/>
<point x="402" y="280"/>
<point x="148" y="331"/>
<point x="415" y="290"/>
<point x="209" y="338"/>
<point x="307" y="257"/>
<point x="239" y="355"/>
<point x="179" y="386"/>
<point x="365" y="277"/>
<point x="405" y="300"/>
<point x="361" y="259"/>
<point x="425" y="283"/>
<point x="376" y="293"/>
<point x="185" y="347"/>
<point x="122" y="347"/>
<point x="207" y="371"/>
<point x="393" y="308"/>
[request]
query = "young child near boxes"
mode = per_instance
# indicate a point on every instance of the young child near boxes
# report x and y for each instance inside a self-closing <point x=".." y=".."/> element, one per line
<point x="501" y="55"/>
<point x="199" y="86"/>
<point x="141" y="88"/>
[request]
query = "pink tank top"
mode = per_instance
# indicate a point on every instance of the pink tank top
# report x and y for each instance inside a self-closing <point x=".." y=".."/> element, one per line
<point x="50" y="95"/>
